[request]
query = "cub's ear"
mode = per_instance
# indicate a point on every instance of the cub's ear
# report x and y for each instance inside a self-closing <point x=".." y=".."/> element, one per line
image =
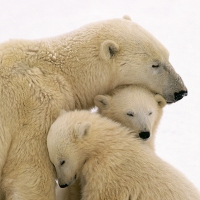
<point x="127" y="17"/>
<point x="82" y="129"/>
<point x="102" y="101"/>
<point x="108" y="49"/>
<point x="160" y="100"/>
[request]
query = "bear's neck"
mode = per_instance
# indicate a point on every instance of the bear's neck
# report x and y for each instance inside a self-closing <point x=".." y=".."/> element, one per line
<point x="69" y="56"/>
<point x="107" y="159"/>
<point x="85" y="78"/>
<point x="108" y="139"/>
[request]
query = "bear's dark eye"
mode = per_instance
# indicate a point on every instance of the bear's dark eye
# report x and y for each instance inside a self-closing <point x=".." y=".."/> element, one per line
<point x="62" y="162"/>
<point x="156" y="66"/>
<point x="150" y="113"/>
<point x="130" y="113"/>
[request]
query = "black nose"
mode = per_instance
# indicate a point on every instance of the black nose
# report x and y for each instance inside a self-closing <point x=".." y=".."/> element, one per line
<point x="63" y="186"/>
<point x="180" y="95"/>
<point x="144" y="135"/>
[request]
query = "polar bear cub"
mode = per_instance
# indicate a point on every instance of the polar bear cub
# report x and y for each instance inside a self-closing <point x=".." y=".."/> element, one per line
<point x="110" y="162"/>
<point x="134" y="106"/>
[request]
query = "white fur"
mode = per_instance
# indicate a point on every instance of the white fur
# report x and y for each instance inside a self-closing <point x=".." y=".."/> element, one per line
<point x="110" y="162"/>
<point x="134" y="106"/>
<point x="38" y="78"/>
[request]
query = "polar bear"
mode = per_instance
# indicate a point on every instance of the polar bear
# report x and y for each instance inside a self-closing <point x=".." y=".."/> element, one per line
<point x="134" y="106"/>
<point x="111" y="163"/>
<point x="41" y="77"/>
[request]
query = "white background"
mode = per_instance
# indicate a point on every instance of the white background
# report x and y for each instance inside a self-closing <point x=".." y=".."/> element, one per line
<point x="175" y="23"/>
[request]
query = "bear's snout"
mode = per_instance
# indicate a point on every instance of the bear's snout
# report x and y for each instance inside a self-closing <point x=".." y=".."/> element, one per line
<point x="180" y="95"/>
<point x="144" y="135"/>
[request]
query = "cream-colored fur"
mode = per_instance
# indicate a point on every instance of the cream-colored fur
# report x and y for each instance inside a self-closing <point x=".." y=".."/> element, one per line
<point x="73" y="192"/>
<point x="111" y="163"/>
<point x="40" y="77"/>
<point x="136" y="107"/>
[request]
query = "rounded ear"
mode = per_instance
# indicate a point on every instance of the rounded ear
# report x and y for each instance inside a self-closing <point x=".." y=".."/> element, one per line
<point x="127" y="17"/>
<point x="82" y="129"/>
<point x="160" y="100"/>
<point x="102" y="101"/>
<point x="108" y="49"/>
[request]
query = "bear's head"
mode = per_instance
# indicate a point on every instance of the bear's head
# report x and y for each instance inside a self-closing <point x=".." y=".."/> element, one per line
<point x="65" y="153"/>
<point x="136" y="57"/>
<point x="133" y="106"/>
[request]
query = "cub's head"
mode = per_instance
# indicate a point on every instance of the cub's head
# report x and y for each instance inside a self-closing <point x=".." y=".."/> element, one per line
<point x="133" y="106"/>
<point x="64" y="145"/>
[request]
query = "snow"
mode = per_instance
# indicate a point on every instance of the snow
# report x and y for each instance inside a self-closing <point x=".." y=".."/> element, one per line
<point x="175" y="23"/>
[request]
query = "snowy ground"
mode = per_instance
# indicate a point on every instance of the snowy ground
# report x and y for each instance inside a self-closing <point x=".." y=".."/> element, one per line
<point x="175" y="23"/>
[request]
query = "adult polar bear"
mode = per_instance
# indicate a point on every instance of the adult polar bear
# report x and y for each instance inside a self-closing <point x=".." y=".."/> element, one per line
<point x="41" y="77"/>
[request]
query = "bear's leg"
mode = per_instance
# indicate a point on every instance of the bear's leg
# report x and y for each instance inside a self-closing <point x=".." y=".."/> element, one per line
<point x="29" y="183"/>
<point x="5" y="140"/>
<point x="2" y="197"/>
<point x="28" y="173"/>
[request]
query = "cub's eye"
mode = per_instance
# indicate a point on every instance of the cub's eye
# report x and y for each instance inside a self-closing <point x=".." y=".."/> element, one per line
<point x="130" y="113"/>
<point x="150" y="113"/>
<point x="62" y="162"/>
<point x="156" y="66"/>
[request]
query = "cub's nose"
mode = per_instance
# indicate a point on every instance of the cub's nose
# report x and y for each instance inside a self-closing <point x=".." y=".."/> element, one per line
<point x="144" y="135"/>
<point x="180" y="95"/>
<point x="63" y="186"/>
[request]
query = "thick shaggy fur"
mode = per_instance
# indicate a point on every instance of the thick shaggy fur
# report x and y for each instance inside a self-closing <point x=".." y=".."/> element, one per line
<point x="38" y="78"/>
<point x="111" y="163"/>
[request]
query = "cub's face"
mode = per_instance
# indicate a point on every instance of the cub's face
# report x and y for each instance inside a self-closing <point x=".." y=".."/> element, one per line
<point x="65" y="153"/>
<point x="65" y="143"/>
<point x="62" y="156"/>
<point x="133" y="106"/>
